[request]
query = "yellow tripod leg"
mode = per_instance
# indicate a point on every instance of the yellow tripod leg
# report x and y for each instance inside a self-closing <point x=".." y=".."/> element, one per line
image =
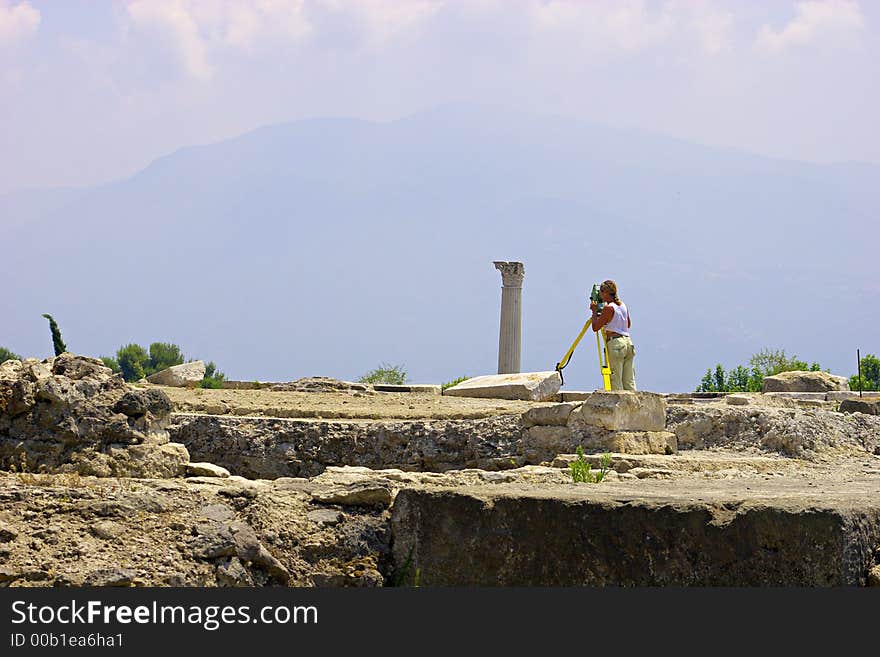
<point x="568" y="353"/>
<point x="604" y="365"/>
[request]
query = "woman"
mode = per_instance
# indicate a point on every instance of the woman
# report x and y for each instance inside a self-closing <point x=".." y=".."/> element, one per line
<point x="615" y="319"/>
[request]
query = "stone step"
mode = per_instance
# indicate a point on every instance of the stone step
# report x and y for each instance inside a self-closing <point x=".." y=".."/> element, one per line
<point x="658" y="532"/>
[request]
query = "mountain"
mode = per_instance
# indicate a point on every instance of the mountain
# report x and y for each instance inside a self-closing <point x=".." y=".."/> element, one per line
<point x="327" y="246"/>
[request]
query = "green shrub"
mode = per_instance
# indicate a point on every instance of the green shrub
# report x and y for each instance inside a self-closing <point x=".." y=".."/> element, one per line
<point x="385" y="373"/>
<point x="213" y="377"/>
<point x="57" y="342"/>
<point x="582" y="472"/>
<point x="870" y="366"/>
<point x="133" y="361"/>
<point x="454" y="382"/>
<point x="5" y="355"/>
<point x="162" y="356"/>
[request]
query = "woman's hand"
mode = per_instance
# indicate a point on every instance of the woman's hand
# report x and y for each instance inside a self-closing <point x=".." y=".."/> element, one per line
<point x="593" y="306"/>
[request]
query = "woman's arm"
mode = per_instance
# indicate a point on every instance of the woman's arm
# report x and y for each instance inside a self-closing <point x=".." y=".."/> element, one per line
<point x="601" y="319"/>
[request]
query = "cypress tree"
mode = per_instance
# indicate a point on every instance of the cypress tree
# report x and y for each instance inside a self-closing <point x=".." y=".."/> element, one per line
<point x="57" y="342"/>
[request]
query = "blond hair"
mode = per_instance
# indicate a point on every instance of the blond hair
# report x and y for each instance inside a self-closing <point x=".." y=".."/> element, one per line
<point x="610" y="287"/>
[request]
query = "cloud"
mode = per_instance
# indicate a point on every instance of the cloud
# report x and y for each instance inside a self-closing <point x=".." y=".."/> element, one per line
<point x="813" y="20"/>
<point x="625" y="25"/>
<point x="17" y="22"/>
<point x="198" y="28"/>
<point x="632" y="25"/>
<point x="385" y="20"/>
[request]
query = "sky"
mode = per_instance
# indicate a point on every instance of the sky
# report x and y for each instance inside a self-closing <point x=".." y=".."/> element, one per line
<point x="92" y="91"/>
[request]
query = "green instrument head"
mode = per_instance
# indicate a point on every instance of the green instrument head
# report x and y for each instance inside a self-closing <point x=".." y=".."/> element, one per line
<point x="596" y="297"/>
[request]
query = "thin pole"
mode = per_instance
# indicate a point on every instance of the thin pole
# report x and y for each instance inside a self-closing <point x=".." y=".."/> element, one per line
<point x="859" y="358"/>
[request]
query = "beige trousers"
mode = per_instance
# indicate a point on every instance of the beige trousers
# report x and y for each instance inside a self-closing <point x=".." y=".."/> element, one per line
<point x="621" y="353"/>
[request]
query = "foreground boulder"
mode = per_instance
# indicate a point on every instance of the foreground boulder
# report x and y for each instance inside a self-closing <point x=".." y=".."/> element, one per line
<point x="186" y="375"/>
<point x="528" y="386"/>
<point x="800" y="381"/>
<point x="72" y="414"/>
<point x="867" y="406"/>
<point x="616" y="535"/>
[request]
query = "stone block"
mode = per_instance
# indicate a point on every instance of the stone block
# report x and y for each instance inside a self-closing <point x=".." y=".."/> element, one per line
<point x="574" y="395"/>
<point x="629" y="442"/>
<point x="800" y="381"/>
<point x="840" y="395"/>
<point x="867" y="406"/>
<point x="180" y="376"/>
<point x="620" y="410"/>
<point x="820" y="396"/>
<point x="737" y="400"/>
<point x="527" y="386"/>
<point x="205" y="470"/>
<point x="541" y="444"/>
<point x="548" y="416"/>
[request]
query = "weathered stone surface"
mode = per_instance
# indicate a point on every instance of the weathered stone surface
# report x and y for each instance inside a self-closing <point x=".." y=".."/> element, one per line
<point x="737" y="400"/>
<point x="71" y="413"/>
<point x="543" y="443"/>
<point x="268" y="448"/>
<point x="800" y="381"/>
<point x="505" y="536"/>
<point x="574" y="395"/>
<point x="547" y="416"/>
<point x="867" y="406"/>
<point x="811" y="396"/>
<point x="620" y="410"/>
<point x="205" y="470"/>
<point x="840" y="395"/>
<point x="805" y="434"/>
<point x="320" y="384"/>
<point x="180" y="376"/>
<point x="631" y="442"/>
<point x="533" y="386"/>
<point x="358" y="494"/>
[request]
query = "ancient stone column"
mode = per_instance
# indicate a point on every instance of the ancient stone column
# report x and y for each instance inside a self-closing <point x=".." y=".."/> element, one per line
<point x="510" y="335"/>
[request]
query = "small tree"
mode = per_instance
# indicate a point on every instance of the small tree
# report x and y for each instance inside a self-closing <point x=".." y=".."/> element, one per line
<point x="385" y="373"/>
<point x="5" y="355"/>
<point x="213" y="377"/>
<point x="870" y="366"/>
<point x="162" y="356"/>
<point x="132" y="359"/>
<point x="57" y="342"/>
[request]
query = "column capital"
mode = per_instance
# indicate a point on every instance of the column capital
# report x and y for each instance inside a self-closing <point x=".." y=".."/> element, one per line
<point x="512" y="273"/>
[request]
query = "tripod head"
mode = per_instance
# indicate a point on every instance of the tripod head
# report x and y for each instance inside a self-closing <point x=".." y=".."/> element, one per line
<point x="597" y="298"/>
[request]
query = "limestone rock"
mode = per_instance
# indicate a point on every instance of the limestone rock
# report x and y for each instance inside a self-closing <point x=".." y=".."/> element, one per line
<point x="358" y="494"/>
<point x="737" y="400"/>
<point x="543" y="443"/>
<point x="529" y="386"/>
<point x="867" y="406"/>
<point x="800" y="381"/>
<point x="180" y="376"/>
<point x="111" y="577"/>
<point x="205" y="470"/>
<point x="555" y="415"/>
<point x="73" y="414"/>
<point x="620" y="410"/>
<point x="633" y="442"/>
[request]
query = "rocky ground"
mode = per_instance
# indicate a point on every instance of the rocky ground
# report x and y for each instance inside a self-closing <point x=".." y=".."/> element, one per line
<point x="763" y="491"/>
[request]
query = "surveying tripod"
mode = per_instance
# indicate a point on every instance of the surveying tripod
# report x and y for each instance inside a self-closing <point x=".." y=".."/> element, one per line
<point x="601" y="346"/>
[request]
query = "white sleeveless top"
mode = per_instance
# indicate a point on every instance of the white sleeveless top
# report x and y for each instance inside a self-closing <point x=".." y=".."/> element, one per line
<point x="619" y="323"/>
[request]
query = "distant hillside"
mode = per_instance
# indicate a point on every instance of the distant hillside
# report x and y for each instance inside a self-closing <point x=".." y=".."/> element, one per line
<point x="323" y="247"/>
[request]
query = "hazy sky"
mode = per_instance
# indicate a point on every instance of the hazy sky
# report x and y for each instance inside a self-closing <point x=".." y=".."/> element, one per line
<point x="93" y="90"/>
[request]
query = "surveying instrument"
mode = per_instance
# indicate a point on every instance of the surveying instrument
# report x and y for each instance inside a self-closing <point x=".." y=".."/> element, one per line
<point x="601" y="344"/>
